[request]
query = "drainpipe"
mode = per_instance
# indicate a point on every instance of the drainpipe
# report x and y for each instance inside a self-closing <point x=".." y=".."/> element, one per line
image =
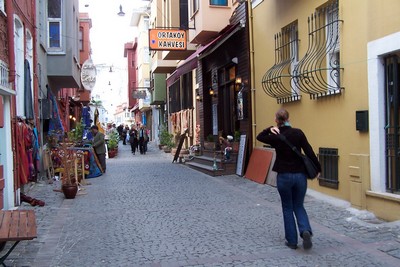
<point x="252" y="73"/>
<point x="10" y="33"/>
<point x="11" y="80"/>
<point x="35" y="72"/>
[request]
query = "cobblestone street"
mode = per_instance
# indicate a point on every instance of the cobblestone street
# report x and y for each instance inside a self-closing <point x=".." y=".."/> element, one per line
<point x="148" y="211"/>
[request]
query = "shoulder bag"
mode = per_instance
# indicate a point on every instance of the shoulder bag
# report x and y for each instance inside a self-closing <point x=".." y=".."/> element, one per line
<point x="311" y="169"/>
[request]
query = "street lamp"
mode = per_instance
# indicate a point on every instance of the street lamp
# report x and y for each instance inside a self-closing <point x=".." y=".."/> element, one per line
<point x="121" y="13"/>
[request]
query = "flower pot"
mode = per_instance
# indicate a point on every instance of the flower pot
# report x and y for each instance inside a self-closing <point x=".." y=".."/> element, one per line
<point x="235" y="146"/>
<point x="69" y="190"/>
<point x="112" y="153"/>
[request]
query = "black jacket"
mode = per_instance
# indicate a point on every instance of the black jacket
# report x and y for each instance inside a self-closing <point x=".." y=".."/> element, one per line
<point x="286" y="159"/>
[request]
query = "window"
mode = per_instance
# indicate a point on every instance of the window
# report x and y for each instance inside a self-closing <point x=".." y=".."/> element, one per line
<point x="80" y="38"/>
<point x="329" y="159"/>
<point x="54" y="19"/>
<point x="4" y="75"/>
<point x="187" y="91"/>
<point x="219" y="2"/>
<point x="146" y="55"/>
<point x="281" y="80"/>
<point x="333" y="62"/>
<point x="318" y="72"/>
<point x="2" y="9"/>
<point x="174" y="98"/>
<point x="194" y="6"/>
<point x="291" y="53"/>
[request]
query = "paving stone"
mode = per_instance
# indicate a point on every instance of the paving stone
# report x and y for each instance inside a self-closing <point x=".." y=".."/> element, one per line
<point x="148" y="211"/>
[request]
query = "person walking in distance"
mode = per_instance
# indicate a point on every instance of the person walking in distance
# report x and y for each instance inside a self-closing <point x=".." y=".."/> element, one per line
<point x="99" y="146"/>
<point x="133" y="139"/>
<point x="125" y="132"/>
<point x="291" y="179"/>
<point x="142" y="140"/>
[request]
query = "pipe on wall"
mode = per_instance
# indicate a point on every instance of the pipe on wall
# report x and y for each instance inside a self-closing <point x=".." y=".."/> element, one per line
<point x="10" y="33"/>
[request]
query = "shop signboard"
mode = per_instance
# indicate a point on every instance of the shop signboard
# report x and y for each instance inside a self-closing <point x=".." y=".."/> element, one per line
<point x="167" y="39"/>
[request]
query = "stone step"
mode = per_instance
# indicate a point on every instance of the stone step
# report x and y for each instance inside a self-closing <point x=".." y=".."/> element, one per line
<point x="209" y="170"/>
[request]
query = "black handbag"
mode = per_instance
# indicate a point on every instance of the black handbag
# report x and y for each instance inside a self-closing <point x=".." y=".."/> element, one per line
<point x="311" y="169"/>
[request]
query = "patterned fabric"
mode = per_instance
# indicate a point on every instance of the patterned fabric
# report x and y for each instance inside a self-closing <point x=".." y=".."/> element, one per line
<point x="55" y="124"/>
<point x="91" y="167"/>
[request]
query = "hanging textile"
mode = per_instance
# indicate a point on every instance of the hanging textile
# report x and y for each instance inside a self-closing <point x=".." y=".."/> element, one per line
<point x="28" y="101"/>
<point x="174" y="125"/>
<point x="35" y="152"/>
<point x="190" y="121"/>
<point x="86" y="116"/>
<point x="23" y="161"/>
<point x="55" y="123"/>
<point x="184" y="121"/>
<point x="96" y="116"/>
<point x="100" y="126"/>
<point x="178" y="122"/>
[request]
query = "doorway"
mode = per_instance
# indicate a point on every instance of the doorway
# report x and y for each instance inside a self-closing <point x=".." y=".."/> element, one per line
<point x="227" y="102"/>
<point x="392" y="122"/>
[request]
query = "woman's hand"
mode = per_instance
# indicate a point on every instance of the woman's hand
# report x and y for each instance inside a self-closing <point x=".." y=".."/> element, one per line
<point x="275" y="130"/>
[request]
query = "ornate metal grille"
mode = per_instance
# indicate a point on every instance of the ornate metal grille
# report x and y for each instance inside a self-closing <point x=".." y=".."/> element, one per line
<point x="318" y="72"/>
<point x="277" y="80"/>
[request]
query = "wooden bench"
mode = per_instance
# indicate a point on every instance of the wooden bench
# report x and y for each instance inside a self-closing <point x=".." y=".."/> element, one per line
<point x="16" y="225"/>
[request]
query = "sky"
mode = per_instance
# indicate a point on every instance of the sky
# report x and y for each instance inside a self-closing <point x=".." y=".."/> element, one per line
<point x="108" y="35"/>
<point x="109" y="31"/>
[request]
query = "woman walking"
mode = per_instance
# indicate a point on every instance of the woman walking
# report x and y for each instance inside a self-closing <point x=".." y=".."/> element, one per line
<point x="291" y="179"/>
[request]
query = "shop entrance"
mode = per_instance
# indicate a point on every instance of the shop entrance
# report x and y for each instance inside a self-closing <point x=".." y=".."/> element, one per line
<point x="227" y="102"/>
<point x="392" y="129"/>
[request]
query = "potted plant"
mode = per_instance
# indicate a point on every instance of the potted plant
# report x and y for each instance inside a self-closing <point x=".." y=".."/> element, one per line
<point x="168" y="146"/>
<point x="76" y="134"/>
<point x="112" y="144"/>
<point x="236" y="137"/>
<point x="209" y="143"/>
<point x="236" y="141"/>
<point x="165" y="137"/>
<point x="166" y="140"/>
<point x="69" y="185"/>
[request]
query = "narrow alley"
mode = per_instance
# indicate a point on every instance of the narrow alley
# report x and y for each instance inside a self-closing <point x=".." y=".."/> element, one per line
<point x="148" y="211"/>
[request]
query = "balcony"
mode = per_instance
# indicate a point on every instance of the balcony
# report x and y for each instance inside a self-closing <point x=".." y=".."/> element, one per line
<point x="179" y="55"/>
<point x="206" y="29"/>
<point x="163" y="66"/>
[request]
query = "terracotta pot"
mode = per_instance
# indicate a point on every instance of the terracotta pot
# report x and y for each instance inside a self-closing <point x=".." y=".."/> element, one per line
<point x="235" y="146"/>
<point x="69" y="190"/>
<point x="112" y="153"/>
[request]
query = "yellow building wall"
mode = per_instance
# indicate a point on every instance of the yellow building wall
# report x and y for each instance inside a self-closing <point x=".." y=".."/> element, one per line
<point x="328" y="121"/>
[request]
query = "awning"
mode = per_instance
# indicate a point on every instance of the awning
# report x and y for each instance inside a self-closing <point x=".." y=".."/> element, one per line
<point x="188" y="65"/>
<point x="135" y="107"/>
<point x="191" y="62"/>
<point x="228" y="33"/>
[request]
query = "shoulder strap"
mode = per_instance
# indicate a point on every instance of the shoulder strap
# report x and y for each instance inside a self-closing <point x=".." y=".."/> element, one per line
<point x="283" y="138"/>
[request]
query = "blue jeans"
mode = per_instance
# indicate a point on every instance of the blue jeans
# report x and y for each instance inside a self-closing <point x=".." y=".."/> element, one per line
<point x="292" y="188"/>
